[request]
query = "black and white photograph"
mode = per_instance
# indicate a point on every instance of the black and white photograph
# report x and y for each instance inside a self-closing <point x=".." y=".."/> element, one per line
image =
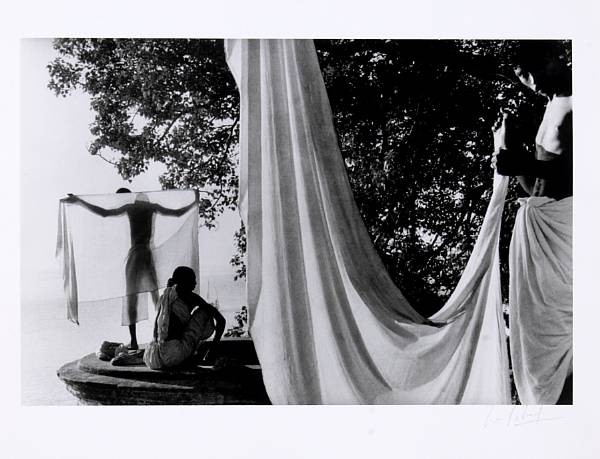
<point x="299" y="222"/>
<point x="299" y="228"/>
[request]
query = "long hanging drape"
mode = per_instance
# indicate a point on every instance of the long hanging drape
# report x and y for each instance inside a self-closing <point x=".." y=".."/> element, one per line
<point x="327" y="321"/>
<point x="541" y="298"/>
<point x="122" y="247"/>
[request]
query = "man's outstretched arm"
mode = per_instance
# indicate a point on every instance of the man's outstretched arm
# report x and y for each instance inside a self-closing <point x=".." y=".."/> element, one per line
<point x="176" y="212"/>
<point x="96" y="209"/>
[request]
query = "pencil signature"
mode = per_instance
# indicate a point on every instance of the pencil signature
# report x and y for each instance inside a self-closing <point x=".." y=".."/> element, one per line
<point x="518" y="415"/>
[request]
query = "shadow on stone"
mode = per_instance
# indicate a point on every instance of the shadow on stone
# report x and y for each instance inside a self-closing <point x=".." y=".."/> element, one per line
<point x="237" y="382"/>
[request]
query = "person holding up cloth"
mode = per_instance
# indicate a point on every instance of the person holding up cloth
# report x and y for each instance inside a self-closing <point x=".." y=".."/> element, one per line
<point x="540" y="260"/>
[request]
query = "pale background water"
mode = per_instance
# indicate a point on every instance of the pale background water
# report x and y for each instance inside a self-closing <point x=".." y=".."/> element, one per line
<point x="49" y="340"/>
<point x="54" y="161"/>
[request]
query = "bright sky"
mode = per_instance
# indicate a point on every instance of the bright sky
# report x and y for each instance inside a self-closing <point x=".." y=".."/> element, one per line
<point x="54" y="162"/>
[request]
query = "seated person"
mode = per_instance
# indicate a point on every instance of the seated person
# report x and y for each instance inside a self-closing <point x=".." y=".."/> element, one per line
<point x="183" y="321"/>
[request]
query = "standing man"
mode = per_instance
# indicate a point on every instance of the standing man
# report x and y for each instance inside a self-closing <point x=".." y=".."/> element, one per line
<point x="540" y="261"/>
<point x="140" y="272"/>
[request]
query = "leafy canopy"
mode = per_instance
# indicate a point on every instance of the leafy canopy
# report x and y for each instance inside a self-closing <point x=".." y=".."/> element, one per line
<point x="172" y="101"/>
<point x="413" y="119"/>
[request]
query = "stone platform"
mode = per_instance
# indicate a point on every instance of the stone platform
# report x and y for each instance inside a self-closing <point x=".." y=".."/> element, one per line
<point x="239" y="382"/>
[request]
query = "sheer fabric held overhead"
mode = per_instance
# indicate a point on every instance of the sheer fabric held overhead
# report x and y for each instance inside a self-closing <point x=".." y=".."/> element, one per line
<point x="327" y="321"/>
<point x="108" y="258"/>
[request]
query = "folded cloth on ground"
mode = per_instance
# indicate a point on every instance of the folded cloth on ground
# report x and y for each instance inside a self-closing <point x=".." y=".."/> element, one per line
<point x="135" y="357"/>
<point x="121" y="349"/>
<point x="107" y="350"/>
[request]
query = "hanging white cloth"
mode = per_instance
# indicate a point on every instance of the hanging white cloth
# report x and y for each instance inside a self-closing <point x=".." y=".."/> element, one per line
<point x="123" y="247"/>
<point x="541" y="298"/>
<point x="328" y="323"/>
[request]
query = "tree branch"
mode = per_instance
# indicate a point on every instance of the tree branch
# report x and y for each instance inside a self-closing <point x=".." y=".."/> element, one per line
<point x="107" y="160"/>
<point x="134" y="114"/>
<point x="506" y="77"/>
<point x="164" y="134"/>
<point x="412" y="128"/>
<point x="225" y="155"/>
<point x="230" y="136"/>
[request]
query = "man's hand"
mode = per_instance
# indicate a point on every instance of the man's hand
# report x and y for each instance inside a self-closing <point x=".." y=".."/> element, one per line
<point x="499" y="132"/>
<point x="512" y="163"/>
<point x="71" y="198"/>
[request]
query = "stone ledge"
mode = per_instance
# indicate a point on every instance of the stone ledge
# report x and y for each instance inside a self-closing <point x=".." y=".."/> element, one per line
<point x="96" y="382"/>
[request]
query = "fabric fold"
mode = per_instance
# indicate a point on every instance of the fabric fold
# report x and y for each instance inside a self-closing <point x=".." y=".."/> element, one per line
<point x="541" y="298"/>
<point x="327" y="321"/>
<point x="110" y="252"/>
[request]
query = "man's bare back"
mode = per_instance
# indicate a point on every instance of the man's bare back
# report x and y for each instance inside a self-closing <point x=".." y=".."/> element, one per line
<point x="141" y="216"/>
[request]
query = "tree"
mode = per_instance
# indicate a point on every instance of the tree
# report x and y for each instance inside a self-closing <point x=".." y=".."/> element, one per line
<point x="172" y="101"/>
<point x="413" y="119"/>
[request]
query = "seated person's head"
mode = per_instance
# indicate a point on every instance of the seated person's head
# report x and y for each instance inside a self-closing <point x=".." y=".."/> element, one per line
<point x="184" y="277"/>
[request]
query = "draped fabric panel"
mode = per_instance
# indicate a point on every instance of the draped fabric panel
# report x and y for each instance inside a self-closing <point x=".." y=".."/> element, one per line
<point x="328" y="323"/>
<point x="99" y="253"/>
<point x="541" y="292"/>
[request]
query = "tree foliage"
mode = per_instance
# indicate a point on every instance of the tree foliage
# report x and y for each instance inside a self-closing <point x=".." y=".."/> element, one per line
<point x="172" y="101"/>
<point x="413" y="119"/>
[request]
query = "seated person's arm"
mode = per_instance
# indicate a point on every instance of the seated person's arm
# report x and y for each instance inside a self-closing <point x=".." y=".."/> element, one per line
<point x="219" y="324"/>
<point x="163" y="319"/>
<point x="219" y="329"/>
<point x="215" y="314"/>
